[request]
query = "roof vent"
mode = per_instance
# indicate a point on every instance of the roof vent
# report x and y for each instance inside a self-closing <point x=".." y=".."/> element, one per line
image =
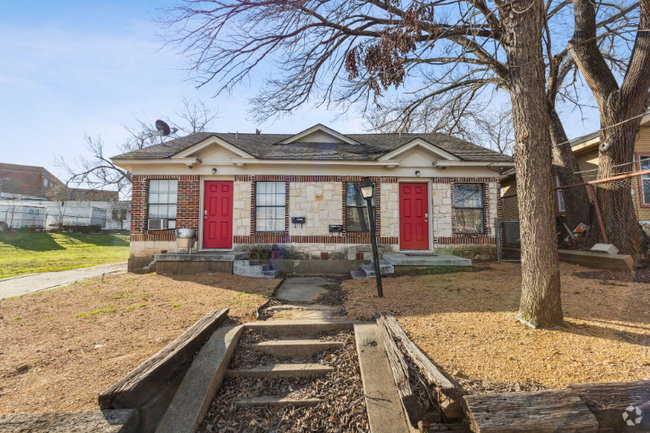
<point x="400" y="134"/>
<point x="258" y="131"/>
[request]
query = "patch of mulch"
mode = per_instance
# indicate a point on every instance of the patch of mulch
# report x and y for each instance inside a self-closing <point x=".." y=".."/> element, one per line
<point x="335" y="335"/>
<point x="252" y="336"/>
<point x="483" y="387"/>
<point x="60" y="348"/>
<point x="641" y="275"/>
<point x="334" y="295"/>
<point x="466" y="321"/>
<point x="342" y="411"/>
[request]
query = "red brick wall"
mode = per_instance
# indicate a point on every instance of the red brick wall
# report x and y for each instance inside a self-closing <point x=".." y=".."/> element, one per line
<point x="25" y="179"/>
<point x="187" y="213"/>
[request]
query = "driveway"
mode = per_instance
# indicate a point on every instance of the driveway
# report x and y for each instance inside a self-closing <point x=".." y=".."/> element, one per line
<point x="30" y="283"/>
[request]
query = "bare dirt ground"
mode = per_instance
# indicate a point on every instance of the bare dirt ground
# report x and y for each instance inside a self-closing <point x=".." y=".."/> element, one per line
<point x="60" y="348"/>
<point x="465" y="323"/>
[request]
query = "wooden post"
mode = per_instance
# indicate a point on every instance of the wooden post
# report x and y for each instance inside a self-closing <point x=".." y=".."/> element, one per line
<point x="600" y="218"/>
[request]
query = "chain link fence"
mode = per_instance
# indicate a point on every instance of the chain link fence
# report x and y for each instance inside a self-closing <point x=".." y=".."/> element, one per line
<point x="614" y="210"/>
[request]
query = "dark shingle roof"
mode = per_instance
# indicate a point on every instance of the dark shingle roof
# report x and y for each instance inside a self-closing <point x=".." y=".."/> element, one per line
<point x="371" y="147"/>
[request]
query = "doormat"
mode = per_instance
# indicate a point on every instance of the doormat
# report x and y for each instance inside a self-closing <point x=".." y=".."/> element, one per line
<point x="423" y="255"/>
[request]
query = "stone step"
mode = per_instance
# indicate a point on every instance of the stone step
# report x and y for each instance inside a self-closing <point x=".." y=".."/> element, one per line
<point x="252" y="268"/>
<point x="294" y="348"/>
<point x="274" y="371"/>
<point x="300" y="328"/>
<point x="384" y="267"/>
<point x="269" y="400"/>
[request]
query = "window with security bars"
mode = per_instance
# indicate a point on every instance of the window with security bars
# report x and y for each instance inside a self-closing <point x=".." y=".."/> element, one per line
<point x="356" y="210"/>
<point x="163" y="197"/>
<point x="644" y="165"/>
<point x="468" y="207"/>
<point x="270" y="206"/>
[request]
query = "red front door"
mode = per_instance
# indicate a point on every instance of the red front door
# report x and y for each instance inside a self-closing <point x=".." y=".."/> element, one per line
<point x="217" y="214"/>
<point x="413" y="216"/>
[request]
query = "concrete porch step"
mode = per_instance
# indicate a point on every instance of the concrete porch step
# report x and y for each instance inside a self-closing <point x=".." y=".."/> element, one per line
<point x="274" y="371"/>
<point x="384" y="267"/>
<point x="294" y="348"/>
<point x="269" y="400"/>
<point x="300" y="328"/>
<point x="253" y="269"/>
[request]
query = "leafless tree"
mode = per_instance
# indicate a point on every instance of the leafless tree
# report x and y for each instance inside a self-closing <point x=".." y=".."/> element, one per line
<point x="441" y="53"/>
<point x="94" y="168"/>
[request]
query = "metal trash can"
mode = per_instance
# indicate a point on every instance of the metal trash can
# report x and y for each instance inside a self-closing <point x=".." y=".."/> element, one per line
<point x="185" y="239"/>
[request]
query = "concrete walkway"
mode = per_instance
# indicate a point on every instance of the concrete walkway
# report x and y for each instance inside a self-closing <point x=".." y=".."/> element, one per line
<point x="30" y="283"/>
<point x="302" y="293"/>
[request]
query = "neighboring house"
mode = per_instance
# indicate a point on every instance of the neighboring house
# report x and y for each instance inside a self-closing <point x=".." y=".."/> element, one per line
<point x="585" y="149"/>
<point x="242" y="192"/>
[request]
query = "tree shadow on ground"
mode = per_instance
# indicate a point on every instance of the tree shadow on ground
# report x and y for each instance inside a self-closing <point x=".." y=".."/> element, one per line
<point x="30" y="241"/>
<point x="100" y="240"/>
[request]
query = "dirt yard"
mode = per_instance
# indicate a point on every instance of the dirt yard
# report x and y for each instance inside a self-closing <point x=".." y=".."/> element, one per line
<point x="59" y="349"/>
<point x="465" y="323"/>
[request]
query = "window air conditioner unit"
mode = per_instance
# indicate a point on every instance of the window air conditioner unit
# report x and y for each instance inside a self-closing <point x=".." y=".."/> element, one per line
<point x="157" y="224"/>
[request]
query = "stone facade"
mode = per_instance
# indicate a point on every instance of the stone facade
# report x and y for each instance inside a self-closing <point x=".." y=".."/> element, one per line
<point x="319" y="202"/>
<point x="389" y="215"/>
<point x="242" y="209"/>
<point x="442" y="206"/>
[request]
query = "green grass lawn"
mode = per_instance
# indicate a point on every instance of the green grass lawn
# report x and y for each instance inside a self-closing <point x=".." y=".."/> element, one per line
<point x="26" y="253"/>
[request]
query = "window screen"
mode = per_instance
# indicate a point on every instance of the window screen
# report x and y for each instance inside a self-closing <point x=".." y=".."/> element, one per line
<point x="644" y="161"/>
<point x="356" y="213"/>
<point x="468" y="201"/>
<point x="163" y="196"/>
<point x="270" y="206"/>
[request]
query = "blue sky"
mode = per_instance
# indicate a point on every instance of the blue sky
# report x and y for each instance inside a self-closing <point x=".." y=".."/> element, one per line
<point x="70" y="68"/>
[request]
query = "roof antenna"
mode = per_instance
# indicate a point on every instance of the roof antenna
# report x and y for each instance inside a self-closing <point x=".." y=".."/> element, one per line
<point x="258" y="131"/>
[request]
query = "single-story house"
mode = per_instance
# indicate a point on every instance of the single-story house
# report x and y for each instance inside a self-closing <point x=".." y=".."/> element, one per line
<point x="296" y="195"/>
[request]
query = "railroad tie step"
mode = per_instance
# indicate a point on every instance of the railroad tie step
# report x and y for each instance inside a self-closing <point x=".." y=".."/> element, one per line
<point x="273" y="371"/>
<point x="294" y="348"/>
<point x="269" y="400"/>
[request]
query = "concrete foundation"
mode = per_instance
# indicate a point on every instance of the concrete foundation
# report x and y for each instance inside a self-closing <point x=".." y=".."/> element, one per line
<point x="141" y="265"/>
<point x="193" y="267"/>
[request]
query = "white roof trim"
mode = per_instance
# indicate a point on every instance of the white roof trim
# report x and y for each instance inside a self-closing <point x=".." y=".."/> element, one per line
<point x="241" y="161"/>
<point x="445" y="164"/>
<point x="424" y="144"/>
<point x="191" y="160"/>
<point x="208" y="142"/>
<point x="315" y="128"/>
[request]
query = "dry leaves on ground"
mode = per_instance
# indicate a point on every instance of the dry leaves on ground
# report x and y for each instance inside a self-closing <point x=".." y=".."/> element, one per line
<point x="59" y="349"/>
<point x="465" y="322"/>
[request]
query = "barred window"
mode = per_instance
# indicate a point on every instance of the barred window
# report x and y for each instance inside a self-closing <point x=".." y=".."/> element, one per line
<point x="356" y="213"/>
<point x="163" y="196"/>
<point x="270" y="206"/>
<point x="468" y="201"/>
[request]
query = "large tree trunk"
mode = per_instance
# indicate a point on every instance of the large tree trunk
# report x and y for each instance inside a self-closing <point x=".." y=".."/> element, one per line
<point x="540" y="303"/>
<point x="616" y="154"/>
<point x="576" y="200"/>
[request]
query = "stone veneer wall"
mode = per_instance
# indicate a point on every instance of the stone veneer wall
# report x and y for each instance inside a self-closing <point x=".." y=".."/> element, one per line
<point x="313" y="250"/>
<point x="242" y="209"/>
<point x="319" y="202"/>
<point x="389" y="214"/>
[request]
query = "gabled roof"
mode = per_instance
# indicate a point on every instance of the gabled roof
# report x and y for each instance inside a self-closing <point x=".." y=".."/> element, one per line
<point x="370" y="147"/>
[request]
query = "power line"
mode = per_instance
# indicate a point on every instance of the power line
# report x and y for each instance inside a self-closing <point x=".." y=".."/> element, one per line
<point x="645" y="113"/>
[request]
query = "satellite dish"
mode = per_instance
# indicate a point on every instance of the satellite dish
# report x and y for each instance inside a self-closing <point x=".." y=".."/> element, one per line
<point x="162" y="127"/>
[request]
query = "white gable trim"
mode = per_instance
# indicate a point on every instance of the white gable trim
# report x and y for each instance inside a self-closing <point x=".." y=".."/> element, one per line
<point x="208" y="142"/>
<point x="315" y="128"/>
<point x="419" y="142"/>
<point x="445" y="164"/>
